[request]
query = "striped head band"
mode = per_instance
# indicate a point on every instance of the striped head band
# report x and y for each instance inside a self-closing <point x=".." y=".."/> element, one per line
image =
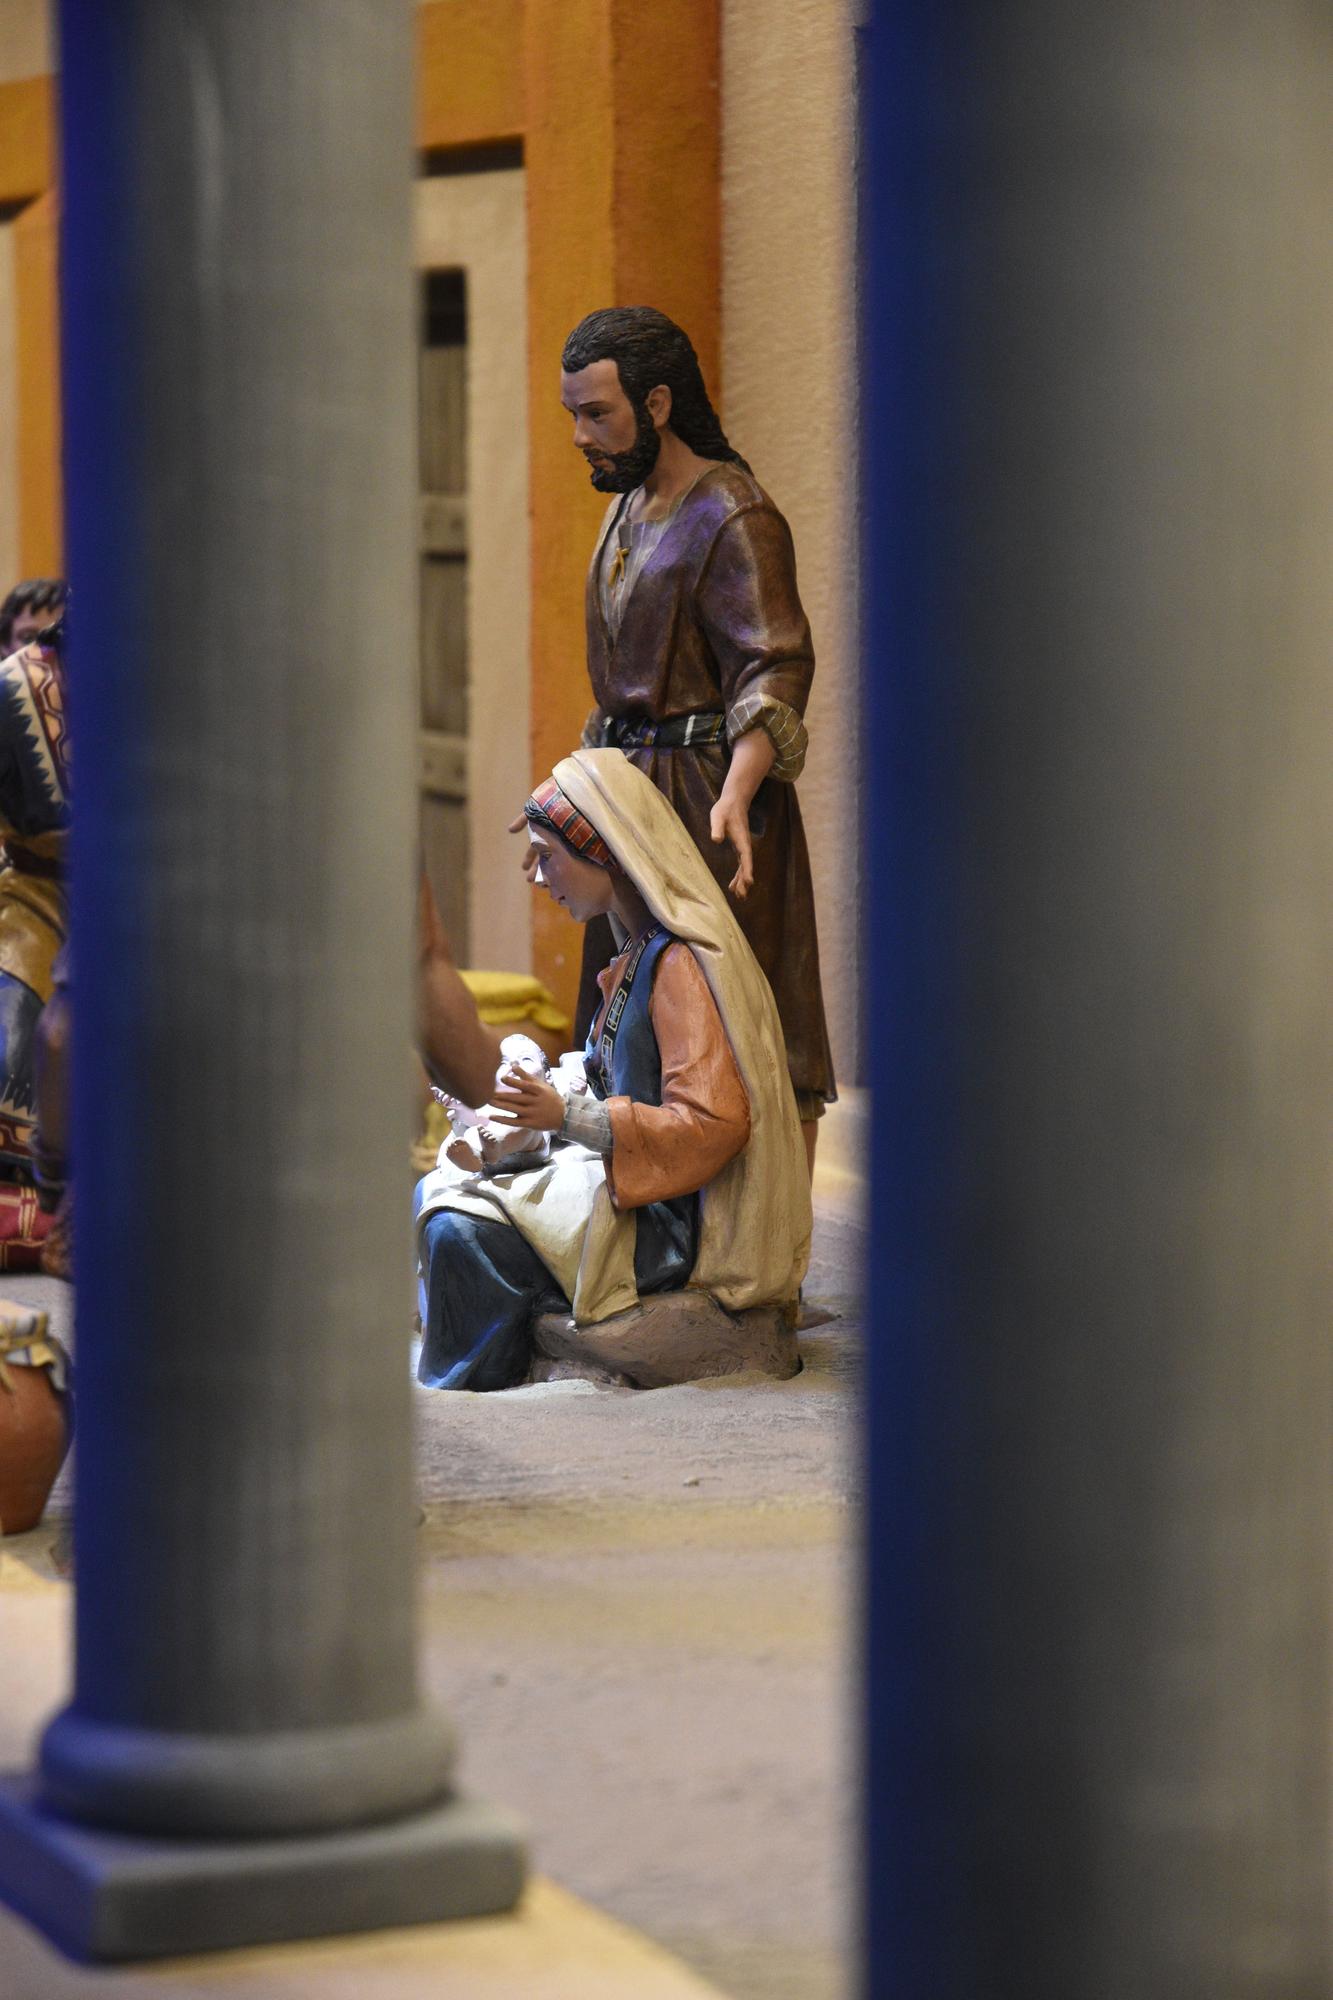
<point x="549" y="807"/>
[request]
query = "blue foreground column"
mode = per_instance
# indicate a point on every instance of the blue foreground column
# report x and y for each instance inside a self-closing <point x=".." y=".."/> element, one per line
<point x="1098" y="396"/>
<point x="245" y="1756"/>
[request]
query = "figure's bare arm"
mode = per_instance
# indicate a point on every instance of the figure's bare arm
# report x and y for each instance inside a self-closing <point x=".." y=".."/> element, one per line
<point x="751" y="761"/>
<point x="461" y="1053"/>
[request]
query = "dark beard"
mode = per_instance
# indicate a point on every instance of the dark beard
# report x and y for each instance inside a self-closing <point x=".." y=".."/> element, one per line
<point x="629" y="469"/>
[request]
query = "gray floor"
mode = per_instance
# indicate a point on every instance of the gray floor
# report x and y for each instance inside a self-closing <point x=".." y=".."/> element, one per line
<point x="636" y="1607"/>
<point x="638" y="1611"/>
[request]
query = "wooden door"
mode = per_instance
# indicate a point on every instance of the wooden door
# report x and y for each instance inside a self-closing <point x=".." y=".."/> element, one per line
<point x="443" y="556"/>
<point x="474" y="557"/>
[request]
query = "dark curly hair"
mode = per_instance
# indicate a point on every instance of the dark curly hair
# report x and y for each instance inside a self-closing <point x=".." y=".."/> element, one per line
<point x="39" y="593"/>
<point x="649" y="348"/>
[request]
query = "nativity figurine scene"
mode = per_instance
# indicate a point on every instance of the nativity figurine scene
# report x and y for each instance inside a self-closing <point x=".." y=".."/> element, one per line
<point x="660" y="1229"/>
<point x="699" y="652"/>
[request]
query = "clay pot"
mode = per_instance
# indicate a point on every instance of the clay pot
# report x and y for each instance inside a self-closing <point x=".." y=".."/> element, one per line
<point x="34" y="1436"/>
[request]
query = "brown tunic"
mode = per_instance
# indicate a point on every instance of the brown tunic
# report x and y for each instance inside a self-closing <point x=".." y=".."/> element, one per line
<point x="714" y="616"/>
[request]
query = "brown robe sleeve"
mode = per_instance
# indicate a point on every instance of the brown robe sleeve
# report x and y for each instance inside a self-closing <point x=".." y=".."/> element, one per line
<point x="751" y="611"/>
<point x="678" y="1146"/>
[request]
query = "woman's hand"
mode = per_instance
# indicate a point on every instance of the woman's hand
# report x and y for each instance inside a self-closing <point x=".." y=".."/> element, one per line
<point x="525" y="1101"/>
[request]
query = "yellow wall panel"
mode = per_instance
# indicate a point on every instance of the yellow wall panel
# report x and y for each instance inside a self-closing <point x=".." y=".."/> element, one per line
<point x="469" y="73"/>
<point x="37" y="372"/>
<point x="570" y="158"/>
<point x="27" y="138"/>
<point x="666" y="198"/>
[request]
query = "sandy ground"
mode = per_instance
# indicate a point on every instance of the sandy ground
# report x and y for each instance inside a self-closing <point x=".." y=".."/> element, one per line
<point x="636" y="1607"/>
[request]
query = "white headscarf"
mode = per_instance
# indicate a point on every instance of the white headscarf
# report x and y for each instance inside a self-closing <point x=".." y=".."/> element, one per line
<point x="755" y="1217"/>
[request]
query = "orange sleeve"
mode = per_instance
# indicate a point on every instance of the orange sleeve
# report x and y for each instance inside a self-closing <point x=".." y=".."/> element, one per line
<point x="678" y="1146"/>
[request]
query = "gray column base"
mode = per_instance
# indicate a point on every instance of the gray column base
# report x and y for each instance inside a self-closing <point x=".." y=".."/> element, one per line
<point x="265" y="1784"/>
<point x="105" y="1896"/>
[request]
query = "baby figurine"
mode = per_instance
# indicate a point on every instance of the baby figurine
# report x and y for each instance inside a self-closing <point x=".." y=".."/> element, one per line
<point x="478" y="1146"/>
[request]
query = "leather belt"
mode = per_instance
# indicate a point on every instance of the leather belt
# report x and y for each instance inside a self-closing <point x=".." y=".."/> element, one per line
<point x="678" y="732"/>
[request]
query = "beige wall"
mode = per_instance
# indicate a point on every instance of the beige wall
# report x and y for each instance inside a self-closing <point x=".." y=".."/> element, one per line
<point x="789" y="391"/>
<point x="26" y="41"/>
<point x="476" y="222"/>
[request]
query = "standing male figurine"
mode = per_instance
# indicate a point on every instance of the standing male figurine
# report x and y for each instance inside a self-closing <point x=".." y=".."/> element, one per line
<point x="699" y="651"/>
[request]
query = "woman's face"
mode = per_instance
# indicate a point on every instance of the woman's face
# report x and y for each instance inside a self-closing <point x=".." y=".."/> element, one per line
<point x="581" y="887"/>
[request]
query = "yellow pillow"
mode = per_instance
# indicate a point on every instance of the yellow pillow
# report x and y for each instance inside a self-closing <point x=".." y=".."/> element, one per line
<point x="505" y="998"/>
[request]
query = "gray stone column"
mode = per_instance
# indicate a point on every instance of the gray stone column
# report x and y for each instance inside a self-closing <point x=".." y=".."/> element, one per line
<point x="1100" y="374"/>
<point x="245" y="1728"/>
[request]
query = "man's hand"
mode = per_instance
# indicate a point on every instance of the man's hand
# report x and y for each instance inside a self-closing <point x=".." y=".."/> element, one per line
<point x="525" y="1101"/>
<point x="530" y="855"/>
<point x="751" y="761"/>
<point x="729" y="820"/>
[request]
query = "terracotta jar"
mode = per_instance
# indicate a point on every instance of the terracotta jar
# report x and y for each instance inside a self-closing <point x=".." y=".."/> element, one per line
<point x="34" y="1429"/>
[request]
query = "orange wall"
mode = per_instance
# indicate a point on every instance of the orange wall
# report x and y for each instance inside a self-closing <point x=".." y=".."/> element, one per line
<point x="37" y="369"/>
<point x="27" y="138"/>
<point x="27" y="170"/>
<point x="570" y="158"/>
<point x="666" y="192"/>
<point x="469" y="73"/>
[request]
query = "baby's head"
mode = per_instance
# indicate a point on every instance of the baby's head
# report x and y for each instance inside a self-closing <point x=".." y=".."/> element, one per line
<point x="524" y="1054"/>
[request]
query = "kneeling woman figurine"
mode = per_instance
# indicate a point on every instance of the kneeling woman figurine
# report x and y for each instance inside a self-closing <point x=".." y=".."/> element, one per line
<point x="678" y="1159"/>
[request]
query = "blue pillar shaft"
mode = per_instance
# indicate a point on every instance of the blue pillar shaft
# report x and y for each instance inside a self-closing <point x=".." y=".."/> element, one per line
<point x="1098" y="484"/>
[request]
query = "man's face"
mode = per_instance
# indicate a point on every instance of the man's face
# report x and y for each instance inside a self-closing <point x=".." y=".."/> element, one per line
<point x="579" y="886"/>
<point x="619" y="443"/>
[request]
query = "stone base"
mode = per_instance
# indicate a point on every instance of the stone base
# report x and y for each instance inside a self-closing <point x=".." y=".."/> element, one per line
<point x="671" y="1338"/>
<point x="107" y="1896"/>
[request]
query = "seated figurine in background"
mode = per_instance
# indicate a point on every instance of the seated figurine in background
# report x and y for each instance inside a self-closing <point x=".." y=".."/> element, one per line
<point x="679" y="1161"/>
<point x="34" y="819"/>
<point x="31" y="606"/>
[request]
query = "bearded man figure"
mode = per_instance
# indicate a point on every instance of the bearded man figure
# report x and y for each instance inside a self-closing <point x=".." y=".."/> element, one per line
<point x="699" y="652"/>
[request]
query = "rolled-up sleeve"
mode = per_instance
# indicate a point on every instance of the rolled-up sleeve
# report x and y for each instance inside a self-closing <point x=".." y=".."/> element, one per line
<point x="662" y="1150"/>
<point x="783" y="727"/>
<point x="758" y="632"/>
